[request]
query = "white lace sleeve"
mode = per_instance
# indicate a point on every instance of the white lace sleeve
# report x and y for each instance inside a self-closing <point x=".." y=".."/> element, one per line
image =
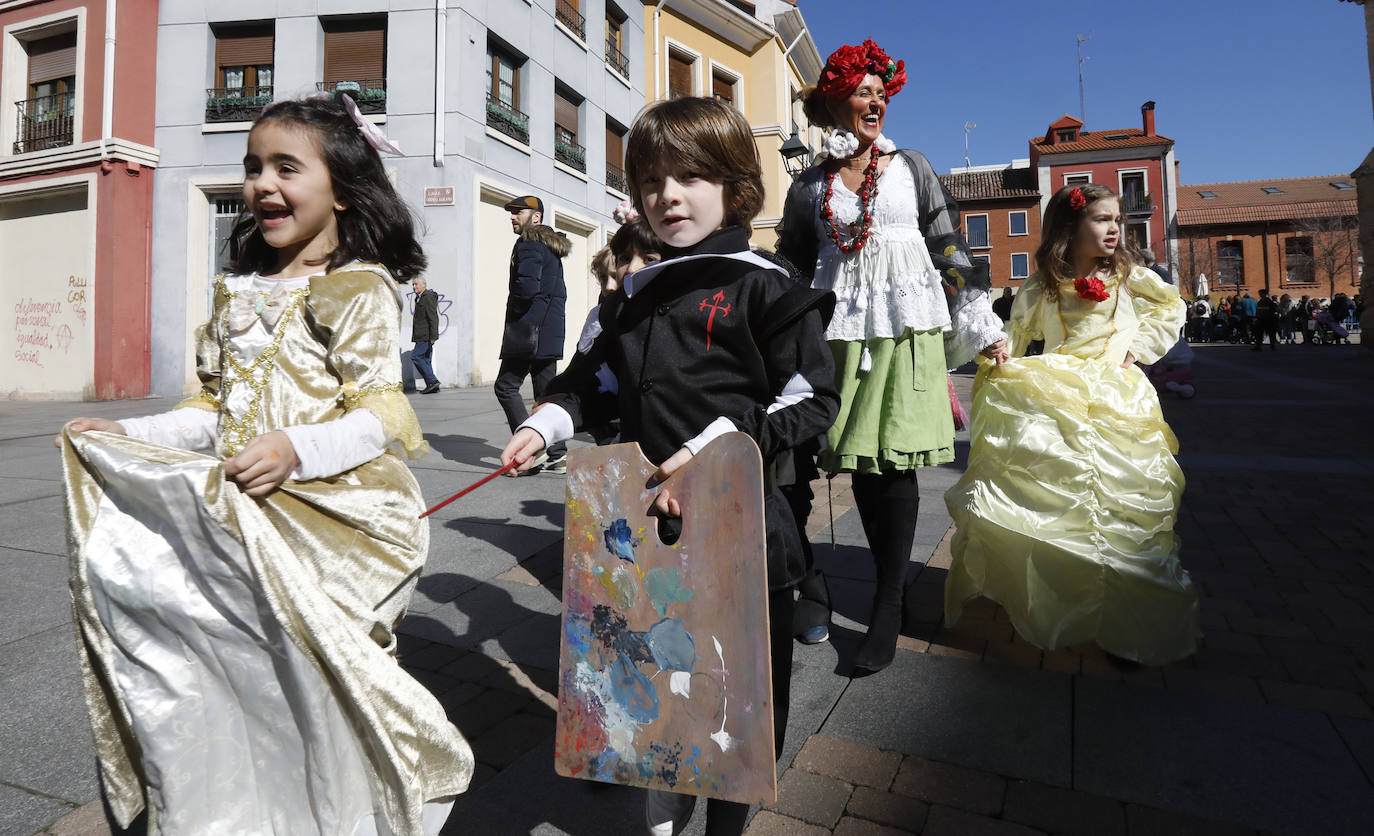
<point x="336" y="446"/>
<point x="188" y="429"/>
<point x="974" y="327"/>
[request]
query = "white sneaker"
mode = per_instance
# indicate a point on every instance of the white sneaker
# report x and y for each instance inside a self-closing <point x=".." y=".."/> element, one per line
<point x="667" y="813"/>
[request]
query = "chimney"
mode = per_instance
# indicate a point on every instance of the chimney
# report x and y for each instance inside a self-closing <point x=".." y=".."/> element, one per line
<point x="1147" y="116"/>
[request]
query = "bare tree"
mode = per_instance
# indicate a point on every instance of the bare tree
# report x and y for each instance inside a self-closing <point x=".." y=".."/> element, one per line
<point x="1335" y="246"/>
<point x="1197" y="254"/>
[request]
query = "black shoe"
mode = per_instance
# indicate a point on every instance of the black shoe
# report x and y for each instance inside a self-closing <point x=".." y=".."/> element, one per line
<point x="879" y="647"/>
<point x="430" y="389"/>
<point x="558" y="465"/>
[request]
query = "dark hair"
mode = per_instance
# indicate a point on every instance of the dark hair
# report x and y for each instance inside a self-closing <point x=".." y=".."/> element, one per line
<point x="376" y="226"/>
<point x="1054" y="256"/>
<point x="634" y="238"/>
<point x="701" y="135"/>
<point x="814" y="107"/>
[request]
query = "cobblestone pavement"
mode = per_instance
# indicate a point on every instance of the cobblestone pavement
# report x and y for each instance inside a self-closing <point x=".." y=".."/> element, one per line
<point x="1269" y="728"/>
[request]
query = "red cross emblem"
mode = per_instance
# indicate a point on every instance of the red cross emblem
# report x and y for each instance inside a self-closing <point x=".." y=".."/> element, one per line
<point x="714" y="303"/>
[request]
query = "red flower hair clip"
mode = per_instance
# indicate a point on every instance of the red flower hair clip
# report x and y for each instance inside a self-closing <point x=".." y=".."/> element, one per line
<point x="1092" y="289"/>
<point x="847" y="66"/>
<point x="1076" y="198"/>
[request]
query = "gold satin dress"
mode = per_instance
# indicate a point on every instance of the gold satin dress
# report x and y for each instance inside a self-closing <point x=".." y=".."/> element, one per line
<point x="238" y="654"/>
<point x="1065" y="515"/>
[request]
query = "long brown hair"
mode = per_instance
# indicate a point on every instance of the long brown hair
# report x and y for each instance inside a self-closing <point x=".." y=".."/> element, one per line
<point x="1054" y="256"/>
<point x="700" y="135"/>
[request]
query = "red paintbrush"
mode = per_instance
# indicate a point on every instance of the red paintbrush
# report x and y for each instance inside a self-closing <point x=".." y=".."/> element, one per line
<point x="474" y="486"/>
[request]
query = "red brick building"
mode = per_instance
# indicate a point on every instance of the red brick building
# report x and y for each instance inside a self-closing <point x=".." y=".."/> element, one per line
<point x="76" y="196"/>
<point x="999" y="209"/>
<point x="1293" y="235"/>
<point x="1137" y="163"/>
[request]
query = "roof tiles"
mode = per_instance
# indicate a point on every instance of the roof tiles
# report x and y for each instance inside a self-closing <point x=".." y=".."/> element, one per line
<point x="1246" y="201"/>
<point x="985" y="185"/>
<point x="1098" y="141"/>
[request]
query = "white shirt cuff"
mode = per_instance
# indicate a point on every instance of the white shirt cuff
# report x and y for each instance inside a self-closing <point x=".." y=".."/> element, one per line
<point x="336" y="446"/>
<point x="552" y="422"/>
<point x="714" y="430"/>
<point x="187" y="429"/>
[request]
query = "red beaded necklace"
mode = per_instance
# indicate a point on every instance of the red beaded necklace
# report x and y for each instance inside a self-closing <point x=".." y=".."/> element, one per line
<point x="868" y="192"/>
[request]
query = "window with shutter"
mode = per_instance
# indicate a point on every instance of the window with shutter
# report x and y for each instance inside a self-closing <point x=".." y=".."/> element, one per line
<point x="723" y="87"/>
<point x="564" y="117"/>
<point x="355" y="51"/>
<point x="243" y="60"/>
<point x="52" y="58"/>
<point x="679" y="75"/>
<point x="615" y="158"/>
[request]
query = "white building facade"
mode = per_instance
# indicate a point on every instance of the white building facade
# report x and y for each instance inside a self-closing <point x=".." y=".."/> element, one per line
<point x="535" y="97"/>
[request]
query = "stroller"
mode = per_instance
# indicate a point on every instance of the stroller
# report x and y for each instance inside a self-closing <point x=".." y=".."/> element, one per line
<point x="1174" y="371"/>
<point x="1329" y="331"/>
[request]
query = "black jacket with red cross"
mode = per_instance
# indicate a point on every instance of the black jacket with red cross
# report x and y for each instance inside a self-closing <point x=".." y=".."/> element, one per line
<point x="712" y="332"/>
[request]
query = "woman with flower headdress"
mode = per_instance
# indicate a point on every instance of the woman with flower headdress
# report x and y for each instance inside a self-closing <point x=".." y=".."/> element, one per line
<point x="1066" y="512"/>
<point x="874" y="225"/>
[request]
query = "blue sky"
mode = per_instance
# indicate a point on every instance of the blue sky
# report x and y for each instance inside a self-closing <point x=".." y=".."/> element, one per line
<point x="1247" y="89"/>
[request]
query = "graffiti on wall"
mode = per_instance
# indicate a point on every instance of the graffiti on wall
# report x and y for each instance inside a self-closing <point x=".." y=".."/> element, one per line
<point x="43" y="325"/>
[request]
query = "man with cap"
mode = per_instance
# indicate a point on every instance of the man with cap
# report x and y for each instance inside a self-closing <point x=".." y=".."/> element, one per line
<point x="532" y="342"/>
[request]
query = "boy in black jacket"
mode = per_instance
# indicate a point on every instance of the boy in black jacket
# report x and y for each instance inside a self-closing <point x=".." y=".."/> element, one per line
<point x="713" y="339"/>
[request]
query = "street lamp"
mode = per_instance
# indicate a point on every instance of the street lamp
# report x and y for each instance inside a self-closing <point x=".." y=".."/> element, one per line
<point x="794" y="153"/>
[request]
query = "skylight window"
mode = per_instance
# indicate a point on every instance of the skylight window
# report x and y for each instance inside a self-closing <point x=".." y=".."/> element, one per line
<point x="1341" y="186"/>
<point x="1207" y="195"/>
<point x="1116" y="136"/>
<point x="1272" y="190"/>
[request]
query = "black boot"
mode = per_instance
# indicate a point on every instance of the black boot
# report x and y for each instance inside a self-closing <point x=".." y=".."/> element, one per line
<point x="887" y="506"/>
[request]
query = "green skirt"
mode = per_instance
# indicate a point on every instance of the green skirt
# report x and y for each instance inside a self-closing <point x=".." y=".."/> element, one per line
<point x="896" y="415"/>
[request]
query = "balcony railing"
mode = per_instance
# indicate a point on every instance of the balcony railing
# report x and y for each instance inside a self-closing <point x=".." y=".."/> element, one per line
<point x="235" y="104"/>
<point x="570" y="154"/>
<point x="506" y="119"/>
<point x="568" y="15"/>
<point x="617" y="59"/>
<point x="369" y="93"/>
<point x="1136" y="203"/>
<point x="615" y="179"/>
<point x="45" y="122"/>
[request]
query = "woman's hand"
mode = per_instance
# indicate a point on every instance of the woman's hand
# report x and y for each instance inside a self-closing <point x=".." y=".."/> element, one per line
<point x="81" y="425"/>
<point x="263" y="464"/>
<point x="1129" y="361"/>
<point x="997" y="352"/>
<point x="664" y="502"/>
<point x="522" y="449"/>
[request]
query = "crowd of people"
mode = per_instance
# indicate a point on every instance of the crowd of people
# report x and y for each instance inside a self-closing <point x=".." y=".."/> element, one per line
<point x="285" y="530"/>
<point x="1285" y="320"/>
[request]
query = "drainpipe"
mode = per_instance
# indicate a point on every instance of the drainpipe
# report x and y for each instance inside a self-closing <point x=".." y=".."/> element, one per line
<point x="107" y="83"/>
<point x="440" y="77"/>
<point x="658" y="84"/>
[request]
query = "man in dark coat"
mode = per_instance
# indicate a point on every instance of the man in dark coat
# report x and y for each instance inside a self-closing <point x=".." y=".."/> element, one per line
<point x="533" y="340"/>
<point x="425" y="333"/>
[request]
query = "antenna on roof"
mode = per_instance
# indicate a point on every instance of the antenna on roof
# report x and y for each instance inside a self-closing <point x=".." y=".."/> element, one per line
<point x="1078" y="48"/>
<point x="968" y="126"/>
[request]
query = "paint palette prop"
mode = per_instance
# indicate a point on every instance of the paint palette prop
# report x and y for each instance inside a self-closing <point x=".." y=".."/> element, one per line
<point x="664" y="674"/>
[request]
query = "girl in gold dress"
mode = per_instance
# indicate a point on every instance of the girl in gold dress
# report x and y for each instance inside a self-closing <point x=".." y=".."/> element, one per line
<point x="1065" y="515"/>
<point x="239" y="564"/>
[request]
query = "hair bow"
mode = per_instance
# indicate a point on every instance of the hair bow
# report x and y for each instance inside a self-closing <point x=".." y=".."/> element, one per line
<point x="370" y="132"/>
<point x="624" y="212"/>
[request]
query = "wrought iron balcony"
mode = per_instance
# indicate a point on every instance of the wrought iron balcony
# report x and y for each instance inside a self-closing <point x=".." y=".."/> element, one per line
<point x="508" y="120"/>
<point x="45" y="122"/>
<point x="236" y="104"/>
<point x="570" y="154"/>
<point x="568" y="15"/>
<point x="1135" y="203"/>
<point x="617" y="59"/>
<point x="615" y="178"/>
<point x="369" y="93"/>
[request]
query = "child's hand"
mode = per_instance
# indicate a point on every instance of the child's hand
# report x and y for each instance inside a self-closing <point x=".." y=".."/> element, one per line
<point x="81" y="425"/>
<point x="264" y="463"/>
<point x="1129" y="361"/>
<point x="522" y="448"/>
<point x="997" y="352"/>
<point x="664" y="502"/>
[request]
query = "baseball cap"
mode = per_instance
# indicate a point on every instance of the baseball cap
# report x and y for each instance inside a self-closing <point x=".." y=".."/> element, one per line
<point x="529" y="201"/>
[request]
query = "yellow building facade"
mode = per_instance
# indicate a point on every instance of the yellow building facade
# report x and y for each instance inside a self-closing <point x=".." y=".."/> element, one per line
<point x="756" y="61"/>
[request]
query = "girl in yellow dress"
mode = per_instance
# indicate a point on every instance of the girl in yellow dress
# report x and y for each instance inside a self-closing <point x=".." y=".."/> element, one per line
<point x="1065" y="515"/>
<point x="239" y="564"/>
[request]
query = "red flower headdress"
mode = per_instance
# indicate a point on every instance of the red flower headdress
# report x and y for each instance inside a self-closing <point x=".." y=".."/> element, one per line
<point x="848" y="65"/>
<point x="1076" y="198"/>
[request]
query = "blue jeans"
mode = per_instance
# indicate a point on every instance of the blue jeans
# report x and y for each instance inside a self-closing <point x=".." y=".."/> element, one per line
<point x="421" y="356"/>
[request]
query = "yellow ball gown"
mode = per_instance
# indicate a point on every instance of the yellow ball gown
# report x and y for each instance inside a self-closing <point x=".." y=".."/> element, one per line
<point x="1065" y="515"/>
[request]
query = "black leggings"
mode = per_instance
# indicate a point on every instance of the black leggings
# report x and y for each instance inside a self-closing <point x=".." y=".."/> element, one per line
<point x="887" y="504"/>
